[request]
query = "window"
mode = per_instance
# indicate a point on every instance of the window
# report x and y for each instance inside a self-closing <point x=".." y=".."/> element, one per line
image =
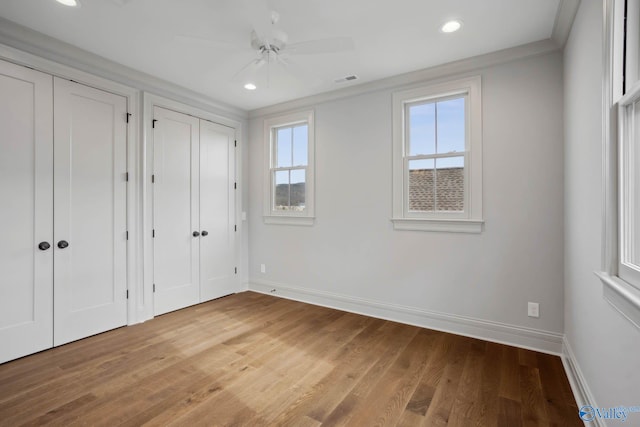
<point x="629" y="148"/>
<point x="620" y="273"/>
<point x="437" y="157"/>
<point x="629" y="187"/>
<point x="289" y="150"/>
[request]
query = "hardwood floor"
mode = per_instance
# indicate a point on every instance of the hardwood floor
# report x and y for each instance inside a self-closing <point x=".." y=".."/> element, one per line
<point x="252" y="359"/>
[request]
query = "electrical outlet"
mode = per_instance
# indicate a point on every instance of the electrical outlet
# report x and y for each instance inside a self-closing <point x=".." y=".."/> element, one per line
<point x="533" y="309"/>
<point x="263" y="268"/>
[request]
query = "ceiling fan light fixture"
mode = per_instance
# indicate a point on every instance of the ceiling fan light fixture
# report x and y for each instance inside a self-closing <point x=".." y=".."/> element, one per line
<point x="250" y="86"/>
<point x="70" y="3"/>
<point x="451" y="26"/>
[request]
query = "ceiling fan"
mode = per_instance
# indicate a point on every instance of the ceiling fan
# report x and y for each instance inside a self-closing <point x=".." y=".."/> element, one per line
<point x="272" y="48"/>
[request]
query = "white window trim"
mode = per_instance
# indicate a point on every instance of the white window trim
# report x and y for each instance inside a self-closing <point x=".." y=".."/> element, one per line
<point x="271" y="216"/>
<point x="622" y="296"/>
<point x="627" y="129"/>
<point x="471" y="220"/>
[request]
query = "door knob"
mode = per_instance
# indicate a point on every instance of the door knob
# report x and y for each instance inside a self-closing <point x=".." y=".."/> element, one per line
<point x="196" y="234"/>
<point x="43" y="246"/>
<point x="205" y="233"/>
<point x="63" y="244"/>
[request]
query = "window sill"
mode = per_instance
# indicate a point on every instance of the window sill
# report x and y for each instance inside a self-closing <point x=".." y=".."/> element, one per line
<point x="444" y="225"/>
<point x="289" y="220"/>
<point x="622" y="296"/>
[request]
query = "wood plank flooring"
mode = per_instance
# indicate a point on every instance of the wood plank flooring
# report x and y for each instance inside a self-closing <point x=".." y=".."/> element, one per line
<point x="252" y="359"/>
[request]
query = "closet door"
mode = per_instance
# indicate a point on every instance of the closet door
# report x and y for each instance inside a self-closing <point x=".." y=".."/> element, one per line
<point x="175" y="210"/>
<point x="26" y="192"/>
<point x="217" y="211"/>
<point x="90" y="164"/>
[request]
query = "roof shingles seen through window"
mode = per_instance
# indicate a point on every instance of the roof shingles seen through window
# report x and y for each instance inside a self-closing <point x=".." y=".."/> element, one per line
<point x="449" y="193"/>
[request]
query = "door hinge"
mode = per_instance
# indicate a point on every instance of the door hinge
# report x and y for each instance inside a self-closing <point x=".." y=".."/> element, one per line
<point x="153" y="233"/>
<point x="153" y="123"/>
<point x="153" y="179"/>
<point x="127" y="233"/>
<point x="235" y="228"/>
<point x="235" y="143"/>
<point x="154" y="287"/>
<point x="127" y="293"/>
<point x="235" y="270"/>
<point x="126" y="176"/>
<point x="235" y="185"/>
<point x="128" y="115"/>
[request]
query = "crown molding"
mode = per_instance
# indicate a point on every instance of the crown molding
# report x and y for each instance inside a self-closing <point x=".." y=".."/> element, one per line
<point x="405" y="80"/>
<point x="565" y="15"/>
<point x="38" y="44"/>
<point x="33" y="42"/>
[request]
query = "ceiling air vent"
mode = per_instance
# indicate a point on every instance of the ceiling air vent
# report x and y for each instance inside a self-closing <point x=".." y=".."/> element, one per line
<point x="346" y="79"/>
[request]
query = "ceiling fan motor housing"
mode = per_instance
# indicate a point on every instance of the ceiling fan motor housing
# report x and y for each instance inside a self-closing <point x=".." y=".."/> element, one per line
<point x="276" y="42"/>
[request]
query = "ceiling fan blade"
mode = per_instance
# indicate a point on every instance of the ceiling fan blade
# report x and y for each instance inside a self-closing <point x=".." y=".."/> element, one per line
<point x="249" y="71"/>
<point x="312" y="47"/>
<point x="299" y="73"/>
<point x="259" y="15"/>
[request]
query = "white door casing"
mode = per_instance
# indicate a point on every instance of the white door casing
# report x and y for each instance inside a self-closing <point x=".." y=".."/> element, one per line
<point x="175" y="210"/>
<point x="26" y="212"/>
<point x="90" y="164"/>
<point x="217" y="211"/>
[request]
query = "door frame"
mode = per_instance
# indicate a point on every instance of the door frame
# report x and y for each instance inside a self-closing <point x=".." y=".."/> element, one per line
<point x="149" y="101"/>
<point x="135" y="308"/>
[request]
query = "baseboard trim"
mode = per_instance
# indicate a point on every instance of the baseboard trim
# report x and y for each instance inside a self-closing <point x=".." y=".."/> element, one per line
<point x="579" y="386"/>
<point x="532" y="339"/>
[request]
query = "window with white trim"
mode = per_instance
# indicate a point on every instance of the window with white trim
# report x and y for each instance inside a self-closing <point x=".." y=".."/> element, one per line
<point x="620" y="273"/>
<point x="629" y="149"/>
<point x="437" y="157"/>
<point x="629" y="187"/>
<point x="289" y="169"/>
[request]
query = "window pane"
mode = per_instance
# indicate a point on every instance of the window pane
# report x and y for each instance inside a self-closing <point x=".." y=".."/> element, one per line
<point x="633" y="212"/>
<point x="422" y="129"/>
<point x="283" y="147"/>
<point x="282" y="190"/>
<point x="421" y="185"/>
<point x="451" y="125"/>
<point x="300" y="143"/>
<point x="450" y="184"/>
<point x="450" y="162"/>
<point x="298" y="189"/>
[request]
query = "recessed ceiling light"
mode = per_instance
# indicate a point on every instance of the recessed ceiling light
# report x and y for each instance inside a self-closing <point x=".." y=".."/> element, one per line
<point x="451" y="26"/>
<point x="250" y="86"/>
<point x="72" y="3"/>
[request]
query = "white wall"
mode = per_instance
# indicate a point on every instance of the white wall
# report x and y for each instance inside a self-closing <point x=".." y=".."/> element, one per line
<point x="353" y="251"/>
<point x="606" y="346"/>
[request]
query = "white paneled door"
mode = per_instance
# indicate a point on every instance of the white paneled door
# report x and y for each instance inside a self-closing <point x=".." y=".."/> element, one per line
<point x="63" y="215"/>
<point x="193" y="210"/>
<point x="175" y="210"/>
<point x="217" y="211"/>
<point x="90" y="164"/>
<point x="26" y="211"/>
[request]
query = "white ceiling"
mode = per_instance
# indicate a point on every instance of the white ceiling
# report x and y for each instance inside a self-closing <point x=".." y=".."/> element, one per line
<point x="391" y="38"/>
